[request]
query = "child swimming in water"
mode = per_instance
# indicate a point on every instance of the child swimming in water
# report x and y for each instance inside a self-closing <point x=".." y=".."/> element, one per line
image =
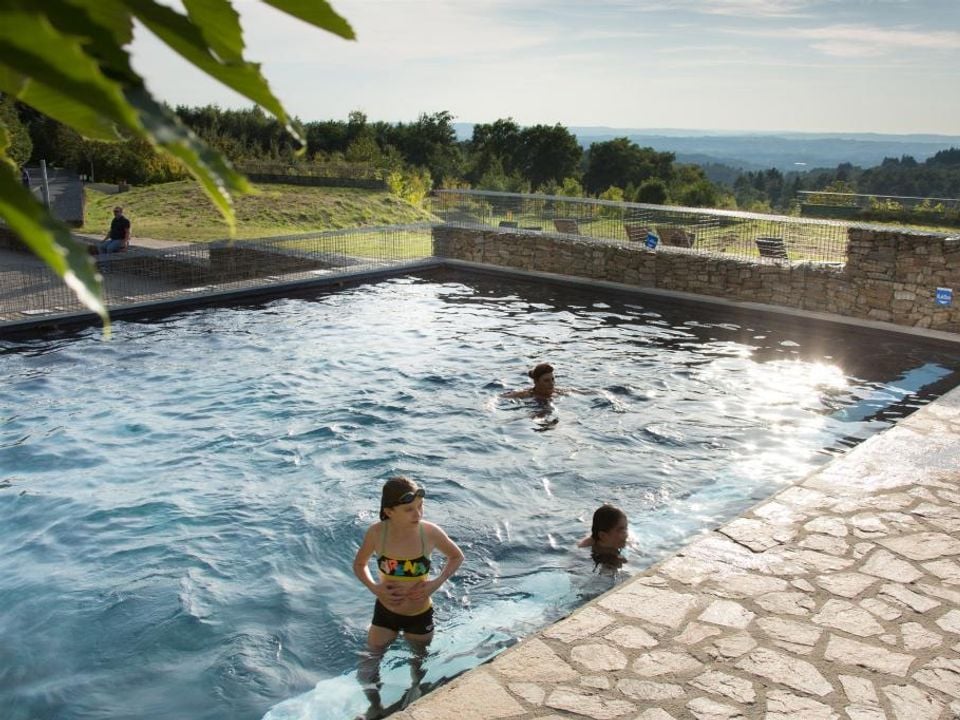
<point x="608" y="536"/>
<point x="403" y="542"/>
<point x="543" y="388"/>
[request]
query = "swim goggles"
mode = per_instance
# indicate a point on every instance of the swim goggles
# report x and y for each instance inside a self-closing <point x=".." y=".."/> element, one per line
<point x="409" y="497"/>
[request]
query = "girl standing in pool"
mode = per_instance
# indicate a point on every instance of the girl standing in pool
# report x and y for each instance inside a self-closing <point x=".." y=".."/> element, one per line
<point x="403" y="542"/>
<point x="607" y="538"/>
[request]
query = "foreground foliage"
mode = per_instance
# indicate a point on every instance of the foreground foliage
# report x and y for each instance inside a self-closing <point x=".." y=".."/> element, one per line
<point x="68" y="60"/>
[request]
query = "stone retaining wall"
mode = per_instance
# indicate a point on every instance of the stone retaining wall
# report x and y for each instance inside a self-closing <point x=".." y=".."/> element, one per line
<point x="890" y="275"/>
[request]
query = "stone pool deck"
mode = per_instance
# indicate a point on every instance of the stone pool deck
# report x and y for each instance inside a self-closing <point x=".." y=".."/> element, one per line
<point x="839" y="597"/>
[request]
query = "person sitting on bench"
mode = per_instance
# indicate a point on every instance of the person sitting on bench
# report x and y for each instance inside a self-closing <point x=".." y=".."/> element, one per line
<point x="118" y="237"/>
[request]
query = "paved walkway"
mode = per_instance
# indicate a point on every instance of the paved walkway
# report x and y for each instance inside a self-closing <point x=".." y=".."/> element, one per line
<point x="837" y="598"/>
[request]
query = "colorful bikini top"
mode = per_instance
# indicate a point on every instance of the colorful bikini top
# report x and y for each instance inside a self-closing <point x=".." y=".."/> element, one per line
<point x="401" y="569"/>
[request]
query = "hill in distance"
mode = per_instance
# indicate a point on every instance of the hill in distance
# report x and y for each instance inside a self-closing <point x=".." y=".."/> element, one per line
<point x="785" y="150"/>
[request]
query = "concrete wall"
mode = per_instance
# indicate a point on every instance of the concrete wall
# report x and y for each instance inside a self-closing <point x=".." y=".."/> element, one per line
<point x="890" y="275"/>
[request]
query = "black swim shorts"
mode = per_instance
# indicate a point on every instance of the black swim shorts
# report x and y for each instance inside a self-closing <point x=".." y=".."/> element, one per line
<point x="421" y="624"/>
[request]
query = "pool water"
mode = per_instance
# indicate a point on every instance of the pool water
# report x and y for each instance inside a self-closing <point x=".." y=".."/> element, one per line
<point x="181" y="505"/>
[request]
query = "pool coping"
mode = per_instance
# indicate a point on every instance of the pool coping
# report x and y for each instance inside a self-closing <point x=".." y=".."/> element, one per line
<point x="837" y="595"/>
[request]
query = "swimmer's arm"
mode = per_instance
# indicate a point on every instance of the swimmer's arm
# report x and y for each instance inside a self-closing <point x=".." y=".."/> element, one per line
<point x="361" y="568"/>
<point x="453" y="554"/>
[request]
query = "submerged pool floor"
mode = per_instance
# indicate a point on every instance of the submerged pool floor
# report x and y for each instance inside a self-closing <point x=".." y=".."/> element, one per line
<point x="182" y="504"/>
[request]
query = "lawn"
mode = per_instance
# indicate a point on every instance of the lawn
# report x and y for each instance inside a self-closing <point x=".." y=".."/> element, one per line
<point x="179" y="211"/>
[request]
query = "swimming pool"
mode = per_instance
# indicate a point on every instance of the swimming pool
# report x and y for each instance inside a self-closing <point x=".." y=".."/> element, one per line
<point x="181" y="505"/>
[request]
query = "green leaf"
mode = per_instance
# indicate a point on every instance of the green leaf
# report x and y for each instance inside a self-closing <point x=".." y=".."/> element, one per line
<point x="108" y="14"/>
<point x="220" y="25"/>
<point x="105" y="28"/>
<point x="186" y="39"/>
<point x="215" y="174"/>
<point x="67" y="84"/>
<point x="48" y="239"/>
<point x="318" y="13"/>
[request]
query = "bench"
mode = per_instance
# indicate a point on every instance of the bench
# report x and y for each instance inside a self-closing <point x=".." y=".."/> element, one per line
<point x="772" y="247"/>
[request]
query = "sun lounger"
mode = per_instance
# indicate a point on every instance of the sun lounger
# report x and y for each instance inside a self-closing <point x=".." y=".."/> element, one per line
<point x="677" y="237"/>
<point x="508" y="223"/>
<point x="567" y="226"/>
<point x="636" y="232"/>
<point x="772" y="247"/>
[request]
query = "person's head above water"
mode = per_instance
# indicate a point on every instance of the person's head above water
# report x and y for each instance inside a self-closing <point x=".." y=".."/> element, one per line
<point x="398" y="491"/>
<point x="543" y="381"/>
<point x="609" y="529"/>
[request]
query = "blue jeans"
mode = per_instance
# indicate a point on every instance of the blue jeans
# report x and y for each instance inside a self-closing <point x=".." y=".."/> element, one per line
<point x="110" y="246"/>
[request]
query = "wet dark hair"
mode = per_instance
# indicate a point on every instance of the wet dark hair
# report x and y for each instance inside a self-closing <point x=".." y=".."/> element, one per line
<point x="605" y="518"/>
<point x="394" y="489"/>
<point x="541" y="369"/>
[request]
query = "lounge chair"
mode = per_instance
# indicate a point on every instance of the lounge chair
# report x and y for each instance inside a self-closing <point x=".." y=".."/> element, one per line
<point x="772" y="247"/>
<point x="636" y="232"/>
<point x="677" y="237"/>
<point x="508" y="223"/>
<point x="567" y="226"/>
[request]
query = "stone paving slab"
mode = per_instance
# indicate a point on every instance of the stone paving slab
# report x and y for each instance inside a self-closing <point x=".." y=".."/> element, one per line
<point x="837" y="598"/>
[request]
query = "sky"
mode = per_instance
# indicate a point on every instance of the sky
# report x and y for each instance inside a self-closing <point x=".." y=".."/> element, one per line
<point x="883" y="66"/>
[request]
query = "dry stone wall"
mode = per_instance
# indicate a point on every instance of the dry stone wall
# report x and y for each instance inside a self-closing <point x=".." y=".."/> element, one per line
<point x="890" y="276"/>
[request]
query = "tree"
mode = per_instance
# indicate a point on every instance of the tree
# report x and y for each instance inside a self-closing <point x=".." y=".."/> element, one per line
<point x="548" y="153"/>
<point x="691" y="187"/>
<point x="652" y="192"/>
<point x="621" y="162"/>
<point x="431" y="142"/>
<point x="946" y="157"/>
<point x="21" y="146"/>
<point x="68" y="60"/>
<point x="498" y="143"/>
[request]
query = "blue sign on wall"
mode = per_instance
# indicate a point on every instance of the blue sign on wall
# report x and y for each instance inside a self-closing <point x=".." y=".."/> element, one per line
<point x="944" y="296"/>
<point x="651" y="241"/>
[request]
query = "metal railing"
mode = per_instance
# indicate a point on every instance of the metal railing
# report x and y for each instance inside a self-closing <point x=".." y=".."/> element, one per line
<point x="716" y="232"/>
<point x="28" y="288"/>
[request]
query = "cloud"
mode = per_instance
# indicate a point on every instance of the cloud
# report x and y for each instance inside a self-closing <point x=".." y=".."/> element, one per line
<point x="752" y="8"/>
<point x="738" y="8"/>
<point x="858" y="41"/>
<point x="863" y="41"/>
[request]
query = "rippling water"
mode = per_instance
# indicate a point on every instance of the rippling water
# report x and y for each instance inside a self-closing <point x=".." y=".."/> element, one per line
<point x="180" y="506"/>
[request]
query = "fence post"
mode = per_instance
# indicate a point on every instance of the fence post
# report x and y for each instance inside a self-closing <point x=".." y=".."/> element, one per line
<point x="44" y="184"/>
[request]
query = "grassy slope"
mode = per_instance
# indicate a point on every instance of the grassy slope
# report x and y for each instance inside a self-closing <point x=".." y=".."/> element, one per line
<point x="180" y="211"/>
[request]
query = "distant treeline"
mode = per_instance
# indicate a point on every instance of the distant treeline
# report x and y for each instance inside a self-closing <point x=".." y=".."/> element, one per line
<point x="411" y="158"/>
<point x="499" y="156"/>
<point x="937" y="177"/>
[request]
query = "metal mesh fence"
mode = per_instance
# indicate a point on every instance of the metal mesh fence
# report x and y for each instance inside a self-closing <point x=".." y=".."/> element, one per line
<point x="29" y="289"/>
<point x="765" y="238"/>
